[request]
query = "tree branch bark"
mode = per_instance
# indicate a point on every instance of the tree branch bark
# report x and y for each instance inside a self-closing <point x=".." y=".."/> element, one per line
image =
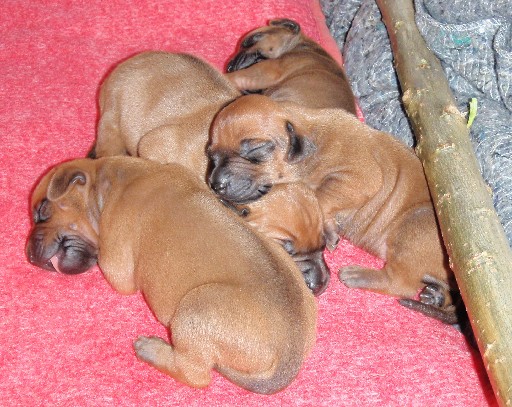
<point x="479" y="252"/>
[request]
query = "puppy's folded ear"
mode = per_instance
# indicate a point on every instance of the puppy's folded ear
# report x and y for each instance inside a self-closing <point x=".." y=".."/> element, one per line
<point x="63" y="180"/>
<point x="299" y="147"/>
<point x="293" y="26"/>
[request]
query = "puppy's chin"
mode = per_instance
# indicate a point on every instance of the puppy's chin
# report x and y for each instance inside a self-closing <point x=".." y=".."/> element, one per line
<point x="67" y="255"/>
<point x="73" y="264"/>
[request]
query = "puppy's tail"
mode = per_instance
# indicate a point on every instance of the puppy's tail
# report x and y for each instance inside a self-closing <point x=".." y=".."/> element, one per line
<point x="290" y="354"/>
<point x="278" y="377"/>
<point x="432" y="298"/>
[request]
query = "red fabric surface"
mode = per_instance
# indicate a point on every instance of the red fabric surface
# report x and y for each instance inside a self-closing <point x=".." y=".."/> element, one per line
<point x="67" y="340"/>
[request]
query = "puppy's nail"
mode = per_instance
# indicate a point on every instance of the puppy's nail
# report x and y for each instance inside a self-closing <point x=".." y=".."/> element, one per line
<point x="144" y="348"/>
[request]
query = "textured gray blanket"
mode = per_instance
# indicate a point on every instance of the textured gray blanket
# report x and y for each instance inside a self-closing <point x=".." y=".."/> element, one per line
<point x="473" y="40"/>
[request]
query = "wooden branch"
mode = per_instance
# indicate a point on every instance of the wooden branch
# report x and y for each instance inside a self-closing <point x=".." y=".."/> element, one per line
<point x="479" y="252"/>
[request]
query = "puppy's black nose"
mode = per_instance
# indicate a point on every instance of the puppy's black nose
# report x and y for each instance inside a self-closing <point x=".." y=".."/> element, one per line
<point x="219" y="179"/>
<point x="218" y="186"/>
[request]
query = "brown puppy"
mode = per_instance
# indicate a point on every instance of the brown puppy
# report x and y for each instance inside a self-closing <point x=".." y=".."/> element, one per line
<point x="286" y="65"/>
<point x="240" y="307"/>
<point x="290" y="214"/>
<point x="159" y="106"/>
<point x="371" y="188"/>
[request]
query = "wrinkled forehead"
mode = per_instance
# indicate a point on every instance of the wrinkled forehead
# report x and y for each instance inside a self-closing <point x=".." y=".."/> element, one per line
<point x="248" y="118"/>
<point x="292" y="211"/>
<point x="293" y="200"/>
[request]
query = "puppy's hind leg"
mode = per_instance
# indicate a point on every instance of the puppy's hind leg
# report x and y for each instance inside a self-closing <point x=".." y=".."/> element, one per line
<point x="109" y="140"/>
<point x="164" y="357"/>
<point x="436" y="301"/>
<point x="169" y="142"/>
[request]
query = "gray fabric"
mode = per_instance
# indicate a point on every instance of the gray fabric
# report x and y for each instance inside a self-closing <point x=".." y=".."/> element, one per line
<point x="473" y="40"/>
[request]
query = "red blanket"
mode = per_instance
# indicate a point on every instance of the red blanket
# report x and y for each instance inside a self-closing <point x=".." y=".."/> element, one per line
<point x="67" y="340"/>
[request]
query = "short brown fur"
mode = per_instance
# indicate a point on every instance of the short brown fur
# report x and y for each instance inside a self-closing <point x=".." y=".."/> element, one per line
<point x="371" y="188"/>
<point x="295" y="68"/>
<point x="159" y="105"/>
<point x="291" y="215"/>
<point x="240" y="307"/>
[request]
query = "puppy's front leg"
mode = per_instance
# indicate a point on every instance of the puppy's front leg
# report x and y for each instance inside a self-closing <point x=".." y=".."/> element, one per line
<point x="368" y="279"/>
<point x="259" y="76"/>
<point x="109" y="141"/>
<point x="164" y="357"/>
<point x="382" y="281"/>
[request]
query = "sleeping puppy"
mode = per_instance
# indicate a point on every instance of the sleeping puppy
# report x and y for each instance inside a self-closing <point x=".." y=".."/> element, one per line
<point x="284" y="64"/>
<point x="290" y="214"/>
<point x="370" y="187"/>
<point x="240" y="307"/>
<point x="159" y="106"/>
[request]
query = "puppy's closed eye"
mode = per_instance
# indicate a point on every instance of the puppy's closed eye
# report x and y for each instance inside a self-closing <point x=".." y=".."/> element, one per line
<point x="288" y="246"/>
<point x="256" y="151"/>
<point x="250" y="41"/>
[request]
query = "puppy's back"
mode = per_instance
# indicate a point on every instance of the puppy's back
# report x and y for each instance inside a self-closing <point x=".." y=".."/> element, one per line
<point x="316" y="80"/>
<point x="155" y="70"/>
<point x="208" y="249"/>
<point x="159" y="105"/>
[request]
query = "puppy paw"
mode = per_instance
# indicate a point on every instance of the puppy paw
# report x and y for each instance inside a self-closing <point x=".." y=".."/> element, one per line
<point x="331" y="236"/>
<point x="433" y="295"/>
<point x="150" y="349"/>
<point x="355" y="276"/>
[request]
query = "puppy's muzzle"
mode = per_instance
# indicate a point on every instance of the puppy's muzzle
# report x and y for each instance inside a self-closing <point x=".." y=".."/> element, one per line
<point x="68" y="254"/>
<point x="244" y="59"/>
<point x="236" y="188"/>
